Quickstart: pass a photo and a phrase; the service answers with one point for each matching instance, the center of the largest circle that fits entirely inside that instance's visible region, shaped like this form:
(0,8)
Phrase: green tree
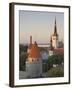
(22,61)
(54,59)
(56,72)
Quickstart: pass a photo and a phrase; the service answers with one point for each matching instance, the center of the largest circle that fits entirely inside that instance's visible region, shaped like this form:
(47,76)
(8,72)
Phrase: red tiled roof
(59,51)
(34,52)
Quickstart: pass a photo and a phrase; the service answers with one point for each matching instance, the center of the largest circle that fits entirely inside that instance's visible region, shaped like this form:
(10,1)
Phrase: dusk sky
(40,25)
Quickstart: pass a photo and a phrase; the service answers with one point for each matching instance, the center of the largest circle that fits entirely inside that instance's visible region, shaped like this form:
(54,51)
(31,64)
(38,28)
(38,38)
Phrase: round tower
(34,62)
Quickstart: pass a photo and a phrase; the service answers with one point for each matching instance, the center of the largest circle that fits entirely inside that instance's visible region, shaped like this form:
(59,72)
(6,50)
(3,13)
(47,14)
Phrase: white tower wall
(55,41)
(34,68)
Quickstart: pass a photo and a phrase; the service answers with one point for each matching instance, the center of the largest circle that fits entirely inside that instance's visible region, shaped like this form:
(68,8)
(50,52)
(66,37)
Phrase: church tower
(55,37)
(34,61)
(31,40)
(30,45)
(51,48)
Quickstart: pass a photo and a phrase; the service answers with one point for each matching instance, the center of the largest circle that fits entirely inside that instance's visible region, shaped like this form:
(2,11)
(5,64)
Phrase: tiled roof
(34,51)
(59,51)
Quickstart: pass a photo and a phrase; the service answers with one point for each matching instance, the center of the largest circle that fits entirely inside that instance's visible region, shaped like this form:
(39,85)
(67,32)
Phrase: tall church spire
(55,37)
(55,29)
(30,39)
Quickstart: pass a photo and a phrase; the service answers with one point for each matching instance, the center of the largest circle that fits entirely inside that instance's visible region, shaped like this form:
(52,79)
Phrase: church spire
(30,39)
(55,29)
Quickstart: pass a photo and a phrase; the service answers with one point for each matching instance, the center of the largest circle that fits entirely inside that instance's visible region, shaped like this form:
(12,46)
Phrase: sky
(40,25)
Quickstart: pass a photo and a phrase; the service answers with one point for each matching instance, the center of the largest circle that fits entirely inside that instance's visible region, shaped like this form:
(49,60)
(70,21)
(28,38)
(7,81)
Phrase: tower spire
(55,28)
(30,39)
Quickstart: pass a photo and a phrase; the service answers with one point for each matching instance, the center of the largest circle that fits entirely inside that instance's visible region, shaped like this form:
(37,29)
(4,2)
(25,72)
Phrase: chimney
(30,39)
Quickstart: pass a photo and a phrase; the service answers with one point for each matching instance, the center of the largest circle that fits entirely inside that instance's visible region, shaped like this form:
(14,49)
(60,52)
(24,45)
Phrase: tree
(22,56)
(56,72)
(22,61)
(55,59)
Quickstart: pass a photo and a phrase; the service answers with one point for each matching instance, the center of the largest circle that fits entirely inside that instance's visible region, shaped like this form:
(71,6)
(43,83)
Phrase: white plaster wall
(34,69)
(44,55)
(54,41)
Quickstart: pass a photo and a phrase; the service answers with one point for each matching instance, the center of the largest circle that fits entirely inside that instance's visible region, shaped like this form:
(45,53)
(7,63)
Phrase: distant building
(56,47)
(59,51)
(44,55)
(55,51)
(34,61)
(61,44)
(55,65)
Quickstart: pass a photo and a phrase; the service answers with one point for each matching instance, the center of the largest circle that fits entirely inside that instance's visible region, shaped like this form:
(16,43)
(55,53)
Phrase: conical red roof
(34,52)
